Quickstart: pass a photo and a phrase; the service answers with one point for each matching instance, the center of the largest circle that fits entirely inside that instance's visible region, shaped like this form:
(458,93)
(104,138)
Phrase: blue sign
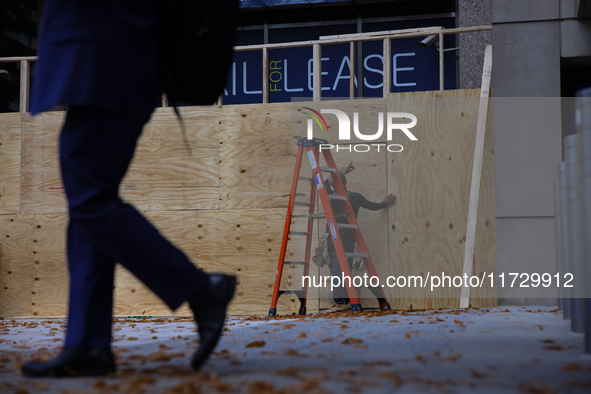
(291,70)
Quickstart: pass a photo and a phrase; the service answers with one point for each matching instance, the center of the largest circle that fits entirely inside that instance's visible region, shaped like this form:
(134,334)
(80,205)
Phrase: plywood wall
(224,203)
(432,180)
(210,202)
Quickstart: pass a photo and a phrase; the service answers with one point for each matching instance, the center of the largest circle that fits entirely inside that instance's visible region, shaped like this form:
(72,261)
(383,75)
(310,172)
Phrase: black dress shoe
(209,309)
(73,362)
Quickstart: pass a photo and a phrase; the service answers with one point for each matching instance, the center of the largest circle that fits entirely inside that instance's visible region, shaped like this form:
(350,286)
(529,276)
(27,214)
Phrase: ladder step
(302,204)
(356,255)
(310,215)
(294,262)
(298,293)
(304,178)
(346,225)
(299,233)
(328,169)
(336,197)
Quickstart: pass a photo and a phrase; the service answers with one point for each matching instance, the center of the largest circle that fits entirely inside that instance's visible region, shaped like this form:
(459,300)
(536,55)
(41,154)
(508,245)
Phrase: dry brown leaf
(291,371)
(291,352)
(303,335)
(256,344)
(158,357)
(184,388)
(390,375)
(572,367)
(536,389)
(260,387)
(554,347)
(349,341)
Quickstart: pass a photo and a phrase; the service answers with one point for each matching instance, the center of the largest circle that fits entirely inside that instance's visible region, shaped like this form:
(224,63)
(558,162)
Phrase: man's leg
(91,292)
(96,147)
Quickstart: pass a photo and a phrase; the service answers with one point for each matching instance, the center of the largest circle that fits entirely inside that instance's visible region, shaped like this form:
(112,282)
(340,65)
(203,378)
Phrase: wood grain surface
(10,163)
(224,202)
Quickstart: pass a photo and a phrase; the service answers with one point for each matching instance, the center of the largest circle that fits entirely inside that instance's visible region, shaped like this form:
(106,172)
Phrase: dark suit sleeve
(357,199)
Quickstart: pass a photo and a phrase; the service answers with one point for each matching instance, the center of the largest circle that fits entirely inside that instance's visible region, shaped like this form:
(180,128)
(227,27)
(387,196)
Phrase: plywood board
(255,166)
(163,174)
(10,163)
(241,242)
(34,277)
(431,178)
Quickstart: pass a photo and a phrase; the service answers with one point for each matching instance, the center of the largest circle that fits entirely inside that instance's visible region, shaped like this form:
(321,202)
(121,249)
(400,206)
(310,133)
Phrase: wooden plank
(387,67)
(476,172)
(352,70)
(161,163)
(24,87)
(317,66)
(10,163)
(485,238)
(265,75)
(379,33)
(441,63)
(431,178)
(360,38)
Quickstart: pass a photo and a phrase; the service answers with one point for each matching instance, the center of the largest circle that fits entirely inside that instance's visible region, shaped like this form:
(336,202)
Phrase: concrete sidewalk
(496,350)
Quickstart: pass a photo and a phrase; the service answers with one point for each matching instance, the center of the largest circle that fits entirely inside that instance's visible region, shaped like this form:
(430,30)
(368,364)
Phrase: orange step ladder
(311,148)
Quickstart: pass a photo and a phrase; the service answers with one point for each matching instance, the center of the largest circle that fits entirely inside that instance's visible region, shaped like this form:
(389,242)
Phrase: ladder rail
(279,272)
(310,229)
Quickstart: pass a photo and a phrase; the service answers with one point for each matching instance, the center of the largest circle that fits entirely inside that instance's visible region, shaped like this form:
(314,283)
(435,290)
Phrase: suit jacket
(97,52)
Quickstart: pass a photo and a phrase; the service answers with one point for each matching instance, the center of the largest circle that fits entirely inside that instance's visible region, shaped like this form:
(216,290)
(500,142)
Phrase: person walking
(100,58)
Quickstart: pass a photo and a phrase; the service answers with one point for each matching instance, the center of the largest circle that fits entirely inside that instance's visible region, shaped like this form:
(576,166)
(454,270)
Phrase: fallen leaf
(256,344)
(390,375)
(349,341)
(260,387)
(291,371)
(554,347)
(572,367)
(184,388)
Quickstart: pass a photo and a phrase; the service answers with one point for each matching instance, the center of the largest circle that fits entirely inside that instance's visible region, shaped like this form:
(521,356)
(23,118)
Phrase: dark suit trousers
(96,147)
